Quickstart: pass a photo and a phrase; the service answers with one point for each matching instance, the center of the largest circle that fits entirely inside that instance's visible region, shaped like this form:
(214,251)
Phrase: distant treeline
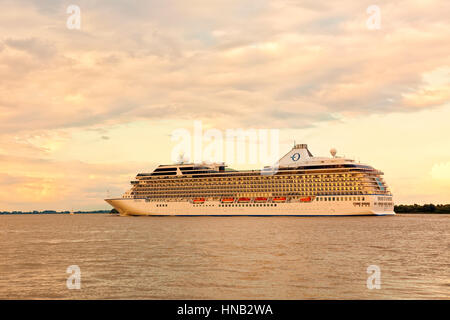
(402,208)
(52,212)
(426,208)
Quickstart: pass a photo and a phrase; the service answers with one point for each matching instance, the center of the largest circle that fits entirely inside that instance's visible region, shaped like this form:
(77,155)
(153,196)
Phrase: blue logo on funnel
(295,156)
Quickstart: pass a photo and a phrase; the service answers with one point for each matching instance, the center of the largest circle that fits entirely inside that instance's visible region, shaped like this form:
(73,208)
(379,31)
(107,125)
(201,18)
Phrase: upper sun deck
(185,169)
(299,158)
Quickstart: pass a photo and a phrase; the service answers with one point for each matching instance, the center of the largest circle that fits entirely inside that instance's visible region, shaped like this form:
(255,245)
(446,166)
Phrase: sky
(83,110)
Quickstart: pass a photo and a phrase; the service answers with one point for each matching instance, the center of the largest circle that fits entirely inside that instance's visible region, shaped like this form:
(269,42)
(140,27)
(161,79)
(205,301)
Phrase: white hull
(141,207)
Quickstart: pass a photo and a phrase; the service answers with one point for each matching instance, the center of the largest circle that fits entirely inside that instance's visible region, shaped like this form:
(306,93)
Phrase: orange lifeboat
(279,199)
(260,199)
(244,200)
(307,199)
(227,199)
(199,200)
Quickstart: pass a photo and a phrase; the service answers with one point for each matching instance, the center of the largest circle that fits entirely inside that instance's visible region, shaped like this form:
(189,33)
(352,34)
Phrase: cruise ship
(301,185)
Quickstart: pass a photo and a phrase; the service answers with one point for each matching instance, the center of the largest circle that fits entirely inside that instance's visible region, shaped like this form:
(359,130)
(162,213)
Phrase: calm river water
(224,257)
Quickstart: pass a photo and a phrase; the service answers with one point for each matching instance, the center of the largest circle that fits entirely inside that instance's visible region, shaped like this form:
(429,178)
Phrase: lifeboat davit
(227,199)
(260,199)
(279,199)
(199,200)
(307,199)
(244,200)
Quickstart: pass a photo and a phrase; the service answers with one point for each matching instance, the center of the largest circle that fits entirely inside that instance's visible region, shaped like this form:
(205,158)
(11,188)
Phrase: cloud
(32,46)
(132,60)
(266,64)
(38,184)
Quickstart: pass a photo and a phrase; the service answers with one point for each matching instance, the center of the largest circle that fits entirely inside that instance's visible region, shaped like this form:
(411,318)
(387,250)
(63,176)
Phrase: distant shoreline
(54,212)
(422,212)
(424,209)
(400,209)
(109,213)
